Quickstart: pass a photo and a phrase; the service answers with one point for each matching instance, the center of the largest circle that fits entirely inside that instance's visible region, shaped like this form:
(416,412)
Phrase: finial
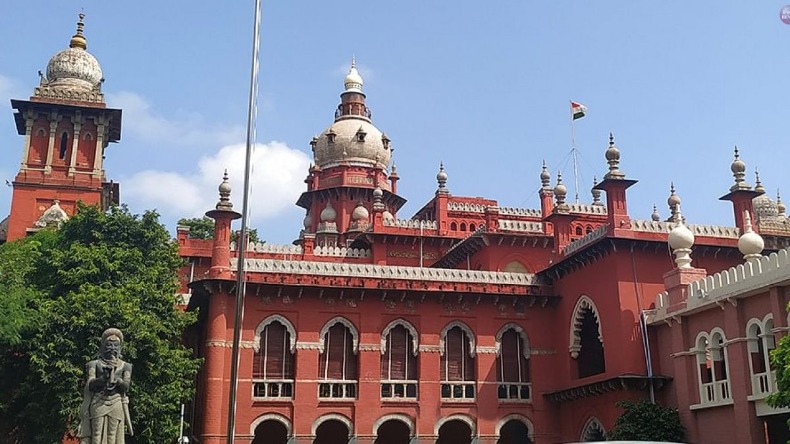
(738,168)
(596,193)
(750,244)
(441,177)
(353,81)
(224,194)
(613,159)
(655,217)
(378,200)
(353,61)
(545,177)
(779,205)
(673,202)
(560,192)
(681,239)
(758,186)
(78,40)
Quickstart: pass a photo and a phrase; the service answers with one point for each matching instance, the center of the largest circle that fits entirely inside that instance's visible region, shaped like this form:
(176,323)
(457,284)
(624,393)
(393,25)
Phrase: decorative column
(561,218)
(741,193)
(77,120)
(30,117)
(223,215)
(615,185)
(99,157)
(53,127)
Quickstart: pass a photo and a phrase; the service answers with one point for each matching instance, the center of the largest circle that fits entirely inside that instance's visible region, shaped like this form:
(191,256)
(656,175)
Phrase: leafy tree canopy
(780,362)
(645,421)
(203,228)
(98,270)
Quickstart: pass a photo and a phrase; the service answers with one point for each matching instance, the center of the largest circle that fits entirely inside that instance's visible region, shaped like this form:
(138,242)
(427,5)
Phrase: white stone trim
(271,417)
(256,343)
(415,337)
(442,275)
(465,328)
(515,417)
(329,417)
(348,324)
(591,426)
(520,331)
(395,417)
(466,419)
(582,304)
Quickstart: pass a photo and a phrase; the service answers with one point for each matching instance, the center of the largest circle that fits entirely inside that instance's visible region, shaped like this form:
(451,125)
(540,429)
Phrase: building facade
(464,322)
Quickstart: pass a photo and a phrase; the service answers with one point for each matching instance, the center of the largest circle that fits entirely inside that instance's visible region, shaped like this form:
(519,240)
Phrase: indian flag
(578,110)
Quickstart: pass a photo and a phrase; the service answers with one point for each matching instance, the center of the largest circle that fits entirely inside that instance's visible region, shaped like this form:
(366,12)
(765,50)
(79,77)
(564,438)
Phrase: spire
(758,186)
(596,193)
(655,216)
(353,81)
(738,168)
(779,205)
(224,194)
(441,178)
(560,192)
(78,40)
(613,159)
(681,239)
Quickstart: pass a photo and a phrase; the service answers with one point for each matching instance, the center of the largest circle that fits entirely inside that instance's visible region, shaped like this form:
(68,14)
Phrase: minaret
(741,193)
(615,184)
(66,127)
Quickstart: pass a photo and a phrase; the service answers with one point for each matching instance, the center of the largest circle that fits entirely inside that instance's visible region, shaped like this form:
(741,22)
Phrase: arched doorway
(331,431)
(271,431)
(455,432)
(393,432)
(514,432)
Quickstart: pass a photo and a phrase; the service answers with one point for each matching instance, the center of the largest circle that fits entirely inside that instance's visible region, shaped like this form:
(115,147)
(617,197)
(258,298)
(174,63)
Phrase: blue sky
(482,86)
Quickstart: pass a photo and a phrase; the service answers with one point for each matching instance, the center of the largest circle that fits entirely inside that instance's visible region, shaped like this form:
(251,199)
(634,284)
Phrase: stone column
(29,119)
(53,126)
(98,158)
(75,142)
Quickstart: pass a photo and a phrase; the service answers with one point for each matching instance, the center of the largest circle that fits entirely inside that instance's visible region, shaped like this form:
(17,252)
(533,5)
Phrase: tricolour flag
(578,110)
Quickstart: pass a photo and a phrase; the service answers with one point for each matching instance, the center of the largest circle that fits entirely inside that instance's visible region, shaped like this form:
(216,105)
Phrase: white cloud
(277,180)
(143,122)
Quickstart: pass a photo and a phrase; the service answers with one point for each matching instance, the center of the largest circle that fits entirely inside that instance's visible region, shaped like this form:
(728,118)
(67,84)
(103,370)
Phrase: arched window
(712,368)
(513,364)
(64,145)
(463,226)
(458,362)
(579,231)
(87,136)
(586,339)
(760,343)
(453,226)
(593,431)
(399,376)
(588,230)
(273,360)
(337,363)
(472,227)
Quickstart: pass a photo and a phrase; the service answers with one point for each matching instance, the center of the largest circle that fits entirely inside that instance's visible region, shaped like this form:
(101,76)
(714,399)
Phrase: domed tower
(66,127)
(351,159)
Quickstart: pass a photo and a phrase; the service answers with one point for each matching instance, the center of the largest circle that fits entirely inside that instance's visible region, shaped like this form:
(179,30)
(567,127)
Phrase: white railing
(511,211)
(466,207)
(521,391)
(273,388)
(337,389)
(521,225)
(588,209)
(341,252)
(585,240)
(263,247)
(458,390)
(761,384)
(411,223)
(651,226)
(715,392)
(398,389)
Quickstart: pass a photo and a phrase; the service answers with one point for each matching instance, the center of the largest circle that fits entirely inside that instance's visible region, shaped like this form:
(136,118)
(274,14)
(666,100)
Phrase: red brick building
(465,322)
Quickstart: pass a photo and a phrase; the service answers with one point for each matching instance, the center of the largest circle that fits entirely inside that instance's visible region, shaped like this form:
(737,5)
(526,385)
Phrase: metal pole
(573,155)
(181,427)
(242,241)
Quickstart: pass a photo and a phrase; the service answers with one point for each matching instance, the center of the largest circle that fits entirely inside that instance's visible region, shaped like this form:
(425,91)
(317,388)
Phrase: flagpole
(573,155)
(241,285)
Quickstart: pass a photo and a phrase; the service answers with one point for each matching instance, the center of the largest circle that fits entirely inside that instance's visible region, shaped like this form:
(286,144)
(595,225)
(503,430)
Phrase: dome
(680,237)
(750,243)
(308,221)
(387,216)
(360,213)
(353,81)
(353,141)
(765,208)
(328,214)
(75,68)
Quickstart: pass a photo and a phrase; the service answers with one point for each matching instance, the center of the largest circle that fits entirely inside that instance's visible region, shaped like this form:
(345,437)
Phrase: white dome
(347,146)
(328,214)
(387,216)
(680,237)
(353,81)
(74,68)
(360,213)
(750,243)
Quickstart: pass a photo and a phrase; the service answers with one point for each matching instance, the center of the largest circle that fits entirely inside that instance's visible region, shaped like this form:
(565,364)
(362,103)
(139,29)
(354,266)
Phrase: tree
(203,228)
(780,363)
(646,421)
(98,270)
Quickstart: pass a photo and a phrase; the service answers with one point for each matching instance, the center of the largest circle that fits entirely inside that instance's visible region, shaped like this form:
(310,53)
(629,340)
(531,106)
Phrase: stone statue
(105,407)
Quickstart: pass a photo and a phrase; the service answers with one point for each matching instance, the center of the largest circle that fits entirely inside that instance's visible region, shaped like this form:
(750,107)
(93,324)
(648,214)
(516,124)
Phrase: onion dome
(779,205)
(738,168)
(560,190)
(74,68)
(750,244)
(360,213)
(308,222)
(765,209)
(353,141)
(673,199)
(387,217)
(613,159)
(545,177)
(378,200)
(681,239)
(655,217)
(353,81)
(54,216)
(328,214)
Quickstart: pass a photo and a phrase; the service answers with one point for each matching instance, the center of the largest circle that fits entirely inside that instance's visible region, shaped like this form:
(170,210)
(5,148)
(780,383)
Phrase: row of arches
(335,428)
(463,227)
(274,360)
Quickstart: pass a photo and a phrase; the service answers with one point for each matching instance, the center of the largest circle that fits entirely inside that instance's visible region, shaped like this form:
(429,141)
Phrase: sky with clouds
(483,88)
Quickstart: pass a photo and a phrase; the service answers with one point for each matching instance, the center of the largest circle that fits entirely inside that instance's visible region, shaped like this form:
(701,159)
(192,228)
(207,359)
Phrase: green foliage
(645,421)
(780,362)
(203,228)
(99,270)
